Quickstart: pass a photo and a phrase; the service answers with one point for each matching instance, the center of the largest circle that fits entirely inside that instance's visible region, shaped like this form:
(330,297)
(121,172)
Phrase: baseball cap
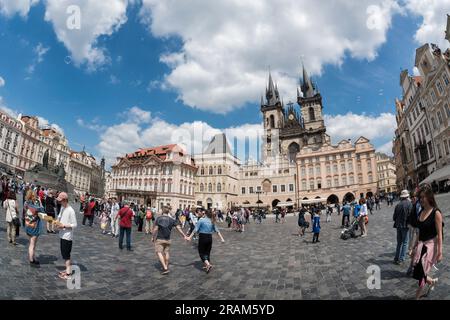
(62,196)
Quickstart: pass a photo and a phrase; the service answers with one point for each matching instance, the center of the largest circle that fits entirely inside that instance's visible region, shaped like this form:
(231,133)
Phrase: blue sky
(42,79)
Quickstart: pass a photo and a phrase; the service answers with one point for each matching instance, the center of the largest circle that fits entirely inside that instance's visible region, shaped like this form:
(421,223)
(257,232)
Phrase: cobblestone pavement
(267,261)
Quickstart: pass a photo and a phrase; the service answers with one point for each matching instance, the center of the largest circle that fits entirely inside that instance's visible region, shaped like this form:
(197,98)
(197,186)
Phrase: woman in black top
(50,210)
(428,247)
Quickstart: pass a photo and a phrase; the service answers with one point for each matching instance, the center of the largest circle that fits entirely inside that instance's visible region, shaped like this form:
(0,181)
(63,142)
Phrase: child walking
(104,222)
(316,227)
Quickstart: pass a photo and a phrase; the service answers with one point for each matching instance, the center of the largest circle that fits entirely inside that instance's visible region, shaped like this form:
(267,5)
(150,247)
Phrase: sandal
(65,276)
(208,268)
(165,272)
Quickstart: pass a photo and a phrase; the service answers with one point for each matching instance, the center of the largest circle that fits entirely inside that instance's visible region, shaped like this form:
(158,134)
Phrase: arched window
(312,116)
(210,187)
(219,187)
(202,171)
(219,170)
(202,188)
(210,170)
(272,121)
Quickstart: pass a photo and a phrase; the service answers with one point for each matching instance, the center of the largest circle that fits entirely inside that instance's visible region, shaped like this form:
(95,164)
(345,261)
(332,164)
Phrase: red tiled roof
(418,80)
(160,152)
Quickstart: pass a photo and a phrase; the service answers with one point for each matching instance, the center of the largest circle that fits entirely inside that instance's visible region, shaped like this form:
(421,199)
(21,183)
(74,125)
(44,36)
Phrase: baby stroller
(349,232)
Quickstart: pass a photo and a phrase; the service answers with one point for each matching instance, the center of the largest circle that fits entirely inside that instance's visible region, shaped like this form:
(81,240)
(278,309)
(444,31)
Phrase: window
(445,79)
(439,87)
(283,188)
(359,166)
(446,147)
(219,170)
(439,151)
(336,182)
(370,178)
(210,187)
(243,190)
(312,116)
(350,165)
(311,171)
(335,168)
(328,169)
(447,110)
(433,96)
(344,181)
(291,187)
(426,128)
(304,185)
(274,189)
(210,170)
(439,114)
(219,187)
(433,122)
(342,166)
(318,170)
(319,184)
(360,180)
(303,171)
(311,185)
(251,190)
(328,183)
(352,180)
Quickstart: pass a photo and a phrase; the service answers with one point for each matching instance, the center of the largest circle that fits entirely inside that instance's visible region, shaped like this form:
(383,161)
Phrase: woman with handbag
(32,224)
(12,216)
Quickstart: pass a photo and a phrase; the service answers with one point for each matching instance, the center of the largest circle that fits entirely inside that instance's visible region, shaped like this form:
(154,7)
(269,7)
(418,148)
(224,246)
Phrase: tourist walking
(363,218)
(161,237)
(302,224)
(316,227)
(328,211)
(413,227)
(346,209)
(12,217)
(377,202)
(149,220)
(429,243)
(50,210)
(66,223)
(114,222)
(205,228)
(32,225)
(126,215)
(277,215)
(89,212)
(401,216)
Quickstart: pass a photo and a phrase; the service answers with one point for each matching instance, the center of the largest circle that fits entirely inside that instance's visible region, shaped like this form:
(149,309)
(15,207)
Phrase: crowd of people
(417,219)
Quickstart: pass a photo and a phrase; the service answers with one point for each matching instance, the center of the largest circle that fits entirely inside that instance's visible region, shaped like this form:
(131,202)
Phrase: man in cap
(66,222)
(401,217)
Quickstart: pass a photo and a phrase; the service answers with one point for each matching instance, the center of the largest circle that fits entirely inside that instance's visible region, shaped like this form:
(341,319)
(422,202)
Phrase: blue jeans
(121,234)
(402,244)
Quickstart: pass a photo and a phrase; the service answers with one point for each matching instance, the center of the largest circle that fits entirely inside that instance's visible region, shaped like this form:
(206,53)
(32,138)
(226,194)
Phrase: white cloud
(7,110)
(228,45)
(98,18)
(44,123)
(386,148)
(2,82)
(140,130)
(352,126)
(12,7)
(40,51)
(434,14)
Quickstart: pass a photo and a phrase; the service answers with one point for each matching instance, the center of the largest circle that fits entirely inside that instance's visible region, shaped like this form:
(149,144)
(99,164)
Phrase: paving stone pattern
(267,261)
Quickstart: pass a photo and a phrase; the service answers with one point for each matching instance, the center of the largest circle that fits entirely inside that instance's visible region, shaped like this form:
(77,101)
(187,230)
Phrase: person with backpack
(148,221)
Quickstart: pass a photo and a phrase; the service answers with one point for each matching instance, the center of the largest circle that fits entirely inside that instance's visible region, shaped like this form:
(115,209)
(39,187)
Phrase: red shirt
(88,210)
(125,214)
(41,195)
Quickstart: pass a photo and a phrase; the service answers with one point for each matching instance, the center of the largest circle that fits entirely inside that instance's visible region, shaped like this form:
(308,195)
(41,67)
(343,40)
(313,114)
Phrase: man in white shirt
(114,222)
(67,222)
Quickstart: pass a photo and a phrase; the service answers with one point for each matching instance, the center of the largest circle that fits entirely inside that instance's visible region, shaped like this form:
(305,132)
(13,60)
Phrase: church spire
(307,86)
(272,94)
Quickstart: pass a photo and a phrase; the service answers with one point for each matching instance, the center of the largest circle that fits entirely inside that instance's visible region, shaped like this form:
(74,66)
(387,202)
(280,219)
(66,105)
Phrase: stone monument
(53,177)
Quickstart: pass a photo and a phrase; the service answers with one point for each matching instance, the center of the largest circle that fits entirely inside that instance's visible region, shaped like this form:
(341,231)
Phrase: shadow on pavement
(47,259)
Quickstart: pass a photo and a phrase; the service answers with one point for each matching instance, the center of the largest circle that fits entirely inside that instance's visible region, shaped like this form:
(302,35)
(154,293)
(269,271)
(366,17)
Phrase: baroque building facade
(158,176)
(386,173)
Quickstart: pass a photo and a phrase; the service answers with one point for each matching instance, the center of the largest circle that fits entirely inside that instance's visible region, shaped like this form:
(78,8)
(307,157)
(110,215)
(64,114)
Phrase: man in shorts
(67,222)
(161,237)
